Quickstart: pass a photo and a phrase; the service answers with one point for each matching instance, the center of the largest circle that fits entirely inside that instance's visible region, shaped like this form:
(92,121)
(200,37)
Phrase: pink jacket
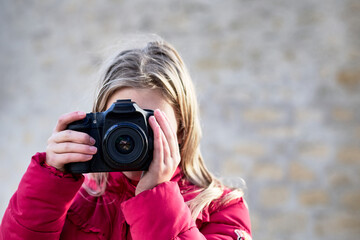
(49,205)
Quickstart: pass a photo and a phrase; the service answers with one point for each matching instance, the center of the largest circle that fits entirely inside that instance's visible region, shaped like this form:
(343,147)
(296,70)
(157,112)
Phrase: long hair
(159,66)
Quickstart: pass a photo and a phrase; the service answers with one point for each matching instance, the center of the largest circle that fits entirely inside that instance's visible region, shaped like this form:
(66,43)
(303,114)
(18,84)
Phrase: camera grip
(78,167)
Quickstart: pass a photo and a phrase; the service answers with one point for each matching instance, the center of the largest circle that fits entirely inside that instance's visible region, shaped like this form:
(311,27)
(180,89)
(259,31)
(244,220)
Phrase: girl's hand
(166,156)
(66,146)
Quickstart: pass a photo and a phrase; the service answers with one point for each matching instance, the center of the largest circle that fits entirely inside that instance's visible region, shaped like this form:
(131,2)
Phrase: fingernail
(93,149)
(92,140)
(152,118)
(81,113)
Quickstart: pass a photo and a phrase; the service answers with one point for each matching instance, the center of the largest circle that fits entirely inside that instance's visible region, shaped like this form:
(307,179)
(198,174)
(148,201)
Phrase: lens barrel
(125,143)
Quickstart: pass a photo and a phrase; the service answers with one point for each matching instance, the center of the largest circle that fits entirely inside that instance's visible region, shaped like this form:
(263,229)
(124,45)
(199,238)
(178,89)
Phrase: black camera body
(124,139)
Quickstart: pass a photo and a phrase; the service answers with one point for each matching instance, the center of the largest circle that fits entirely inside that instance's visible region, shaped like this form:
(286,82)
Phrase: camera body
(124,139)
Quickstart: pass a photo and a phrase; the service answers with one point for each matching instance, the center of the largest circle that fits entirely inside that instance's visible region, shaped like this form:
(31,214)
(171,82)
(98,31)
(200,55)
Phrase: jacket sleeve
(161,213)
(231,221)
(38,208)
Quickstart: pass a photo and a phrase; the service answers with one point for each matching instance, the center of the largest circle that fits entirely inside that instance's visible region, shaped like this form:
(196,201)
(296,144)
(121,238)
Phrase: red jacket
(49,205)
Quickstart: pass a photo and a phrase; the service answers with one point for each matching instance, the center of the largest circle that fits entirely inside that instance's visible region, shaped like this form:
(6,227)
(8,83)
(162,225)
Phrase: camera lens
(124,144)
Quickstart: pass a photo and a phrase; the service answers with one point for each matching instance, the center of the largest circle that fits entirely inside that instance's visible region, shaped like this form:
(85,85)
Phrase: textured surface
(278,82)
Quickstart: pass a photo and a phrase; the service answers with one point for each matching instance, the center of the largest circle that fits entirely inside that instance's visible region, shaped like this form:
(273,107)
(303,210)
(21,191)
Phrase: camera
(124,139)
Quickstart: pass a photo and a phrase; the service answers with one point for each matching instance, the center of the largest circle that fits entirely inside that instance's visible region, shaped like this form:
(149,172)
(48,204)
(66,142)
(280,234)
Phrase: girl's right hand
(66,146)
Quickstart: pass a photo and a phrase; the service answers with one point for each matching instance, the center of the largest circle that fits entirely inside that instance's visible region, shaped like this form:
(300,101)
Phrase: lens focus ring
(124,143)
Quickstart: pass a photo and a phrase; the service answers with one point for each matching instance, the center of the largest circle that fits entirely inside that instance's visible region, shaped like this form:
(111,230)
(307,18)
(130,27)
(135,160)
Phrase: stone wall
(278,83)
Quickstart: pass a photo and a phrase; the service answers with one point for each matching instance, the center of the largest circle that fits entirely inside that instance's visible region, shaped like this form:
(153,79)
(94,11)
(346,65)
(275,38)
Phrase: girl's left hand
(166,156)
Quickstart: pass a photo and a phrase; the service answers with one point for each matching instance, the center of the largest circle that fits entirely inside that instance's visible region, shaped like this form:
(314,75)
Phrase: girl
(177,198)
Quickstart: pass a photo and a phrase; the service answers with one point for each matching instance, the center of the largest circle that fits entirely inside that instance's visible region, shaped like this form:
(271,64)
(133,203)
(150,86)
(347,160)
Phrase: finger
(175,153)
(165,146)
(67,118)
(158,146)
(72,136)
(171,128)
(66,158)
(166,150)
(167,130)
(68,147)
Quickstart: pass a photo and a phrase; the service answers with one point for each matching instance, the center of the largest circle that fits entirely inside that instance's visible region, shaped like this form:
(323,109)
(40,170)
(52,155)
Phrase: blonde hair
(159,66)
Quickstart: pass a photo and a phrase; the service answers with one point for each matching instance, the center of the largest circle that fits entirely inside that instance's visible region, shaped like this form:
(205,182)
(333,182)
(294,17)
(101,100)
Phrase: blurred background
(278,83)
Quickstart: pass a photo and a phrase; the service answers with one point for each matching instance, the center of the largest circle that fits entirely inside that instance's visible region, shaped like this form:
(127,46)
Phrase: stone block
(313,197)
(351,201)
(232,167)
(300,173)
(267,171)
(263,115)
(271,197)
(339,179)
(349,155)
(342,115)
(308,115)
(349,78)
(337,225)
(253,150)
(287,224)
(283,132)
(316,150)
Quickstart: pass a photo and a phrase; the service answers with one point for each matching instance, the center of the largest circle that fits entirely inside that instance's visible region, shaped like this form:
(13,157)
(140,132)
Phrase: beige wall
(278,82)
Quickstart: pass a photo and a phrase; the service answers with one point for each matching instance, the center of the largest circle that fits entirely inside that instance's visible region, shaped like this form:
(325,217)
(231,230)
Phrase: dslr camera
(124,139)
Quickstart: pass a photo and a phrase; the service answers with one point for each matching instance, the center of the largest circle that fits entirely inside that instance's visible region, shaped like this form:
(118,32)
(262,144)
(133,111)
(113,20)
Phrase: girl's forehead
(145,98)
